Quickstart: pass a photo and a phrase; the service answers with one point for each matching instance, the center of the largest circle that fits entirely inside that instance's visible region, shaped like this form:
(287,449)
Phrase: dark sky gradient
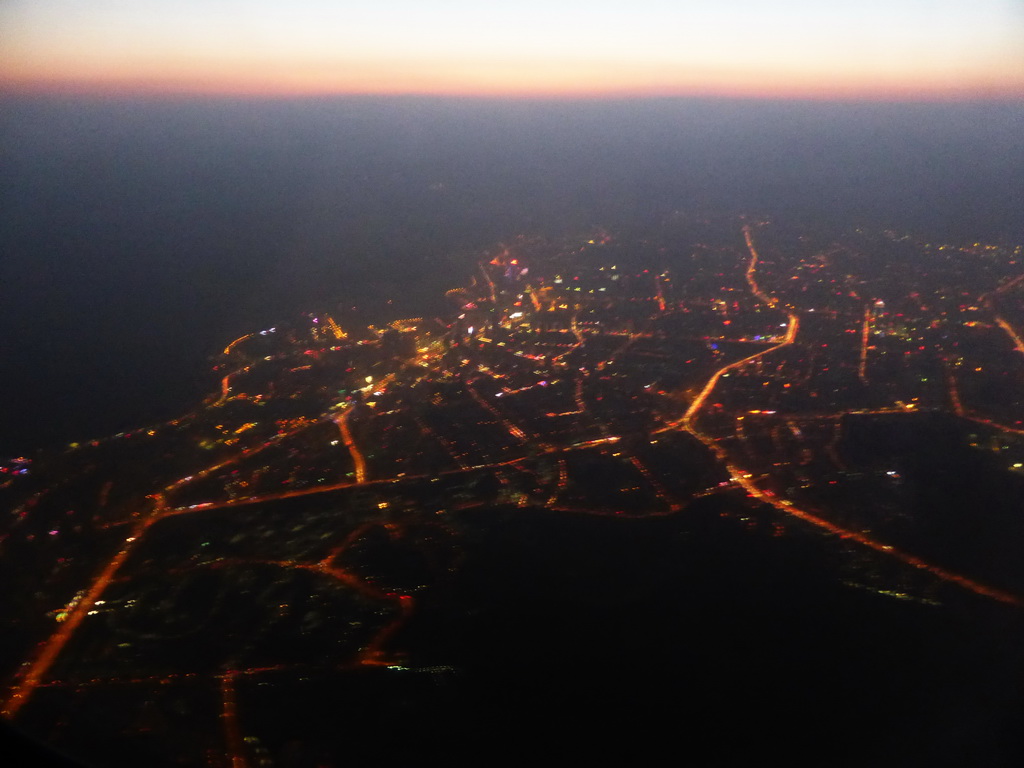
(137,237)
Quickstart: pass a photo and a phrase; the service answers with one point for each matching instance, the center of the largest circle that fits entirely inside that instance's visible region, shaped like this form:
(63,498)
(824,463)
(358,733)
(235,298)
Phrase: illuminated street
(299,523)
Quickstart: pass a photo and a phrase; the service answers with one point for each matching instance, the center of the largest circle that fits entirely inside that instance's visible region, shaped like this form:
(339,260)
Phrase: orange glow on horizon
(883,50)
(542,80)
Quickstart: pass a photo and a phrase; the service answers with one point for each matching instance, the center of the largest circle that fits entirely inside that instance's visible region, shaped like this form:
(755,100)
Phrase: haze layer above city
(138,234)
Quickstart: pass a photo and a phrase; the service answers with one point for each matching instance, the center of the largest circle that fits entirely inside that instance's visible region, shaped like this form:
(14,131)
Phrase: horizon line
(71,89)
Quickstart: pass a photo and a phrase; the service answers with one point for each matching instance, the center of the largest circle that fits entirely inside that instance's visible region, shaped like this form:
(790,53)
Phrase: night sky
(872,48)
